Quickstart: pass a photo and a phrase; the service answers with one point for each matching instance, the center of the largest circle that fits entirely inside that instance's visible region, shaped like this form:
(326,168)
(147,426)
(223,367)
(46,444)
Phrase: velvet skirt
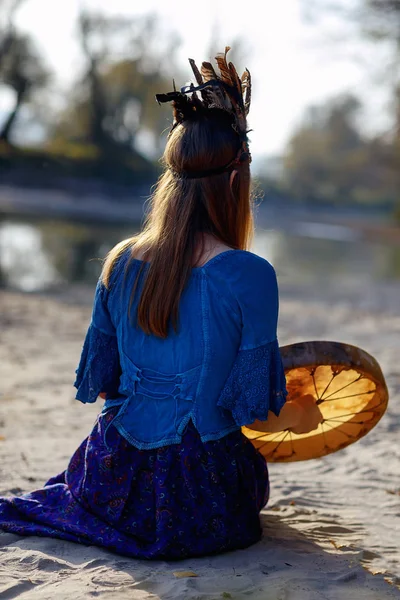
(178,501)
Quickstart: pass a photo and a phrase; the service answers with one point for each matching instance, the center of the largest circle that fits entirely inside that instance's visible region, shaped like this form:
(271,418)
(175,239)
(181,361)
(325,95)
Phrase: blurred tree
(23,70)
(8,9)
(21,67)
(377,21)
(88,25)
(380,19)
(329,159)
(128,62)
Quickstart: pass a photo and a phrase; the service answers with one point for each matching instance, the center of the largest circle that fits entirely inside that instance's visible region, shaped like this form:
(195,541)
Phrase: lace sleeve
(255,385)
(99,368)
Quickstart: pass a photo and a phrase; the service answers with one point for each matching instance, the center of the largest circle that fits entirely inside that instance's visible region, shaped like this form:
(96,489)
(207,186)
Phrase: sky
(293,63)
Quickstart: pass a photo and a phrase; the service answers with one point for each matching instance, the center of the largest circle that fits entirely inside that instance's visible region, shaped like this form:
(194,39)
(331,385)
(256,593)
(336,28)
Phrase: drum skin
(349,388)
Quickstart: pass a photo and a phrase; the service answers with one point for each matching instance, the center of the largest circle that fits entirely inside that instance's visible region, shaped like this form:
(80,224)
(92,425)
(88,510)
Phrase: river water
(39,255)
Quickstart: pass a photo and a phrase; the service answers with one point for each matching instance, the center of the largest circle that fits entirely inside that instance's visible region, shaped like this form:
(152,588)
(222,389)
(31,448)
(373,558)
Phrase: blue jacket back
(221,369)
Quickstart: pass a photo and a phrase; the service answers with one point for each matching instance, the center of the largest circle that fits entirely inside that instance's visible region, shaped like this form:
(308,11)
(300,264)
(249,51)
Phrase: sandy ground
(332,527)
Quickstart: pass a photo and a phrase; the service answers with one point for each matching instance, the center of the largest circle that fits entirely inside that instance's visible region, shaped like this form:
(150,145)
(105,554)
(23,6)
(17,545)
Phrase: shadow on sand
(285,565)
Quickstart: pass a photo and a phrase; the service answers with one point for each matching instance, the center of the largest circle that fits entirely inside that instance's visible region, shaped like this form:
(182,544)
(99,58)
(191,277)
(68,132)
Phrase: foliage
(378,22)
(328,158)
(380,19)
(21,66)
(115,98)
(63,165)
(126,62)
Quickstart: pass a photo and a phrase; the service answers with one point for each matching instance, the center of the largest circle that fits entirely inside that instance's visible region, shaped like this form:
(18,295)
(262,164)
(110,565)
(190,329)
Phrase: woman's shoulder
(248,264)
(255,261)
(114,268)
(244,275)
(249,282)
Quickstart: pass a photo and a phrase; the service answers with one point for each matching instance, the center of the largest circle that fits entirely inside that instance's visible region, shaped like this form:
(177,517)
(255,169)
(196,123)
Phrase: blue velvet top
(222,369)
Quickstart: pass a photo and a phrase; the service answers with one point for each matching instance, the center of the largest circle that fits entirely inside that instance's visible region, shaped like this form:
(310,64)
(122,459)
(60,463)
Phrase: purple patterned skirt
(188,499)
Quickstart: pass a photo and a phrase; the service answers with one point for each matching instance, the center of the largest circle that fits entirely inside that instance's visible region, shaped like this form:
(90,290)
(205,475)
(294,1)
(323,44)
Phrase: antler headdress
(226,91)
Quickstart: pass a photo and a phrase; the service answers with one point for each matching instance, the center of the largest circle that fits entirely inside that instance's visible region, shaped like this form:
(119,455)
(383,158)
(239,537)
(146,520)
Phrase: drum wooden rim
(305,358)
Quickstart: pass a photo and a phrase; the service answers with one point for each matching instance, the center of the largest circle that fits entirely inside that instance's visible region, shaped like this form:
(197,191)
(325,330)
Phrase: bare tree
(23,70)
(95,33)
(7,29)
(127,61)
(377,22)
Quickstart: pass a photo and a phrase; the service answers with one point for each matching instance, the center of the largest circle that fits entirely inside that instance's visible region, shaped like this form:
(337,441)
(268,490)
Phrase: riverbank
(127,207)
(330,523)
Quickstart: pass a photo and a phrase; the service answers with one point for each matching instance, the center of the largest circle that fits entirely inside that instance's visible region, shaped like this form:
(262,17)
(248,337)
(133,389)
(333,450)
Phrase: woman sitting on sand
(182,346)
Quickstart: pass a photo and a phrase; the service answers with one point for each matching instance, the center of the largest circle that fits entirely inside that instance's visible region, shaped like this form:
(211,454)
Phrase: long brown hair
(182,209)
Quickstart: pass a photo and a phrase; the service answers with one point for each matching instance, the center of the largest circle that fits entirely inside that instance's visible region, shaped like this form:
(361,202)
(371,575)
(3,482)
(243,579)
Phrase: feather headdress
(225,91)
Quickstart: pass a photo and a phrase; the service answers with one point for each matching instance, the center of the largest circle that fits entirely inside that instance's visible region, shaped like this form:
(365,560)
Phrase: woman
(182,346)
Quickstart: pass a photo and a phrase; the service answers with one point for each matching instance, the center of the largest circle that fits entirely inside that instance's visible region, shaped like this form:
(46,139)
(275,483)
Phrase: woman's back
(227,311)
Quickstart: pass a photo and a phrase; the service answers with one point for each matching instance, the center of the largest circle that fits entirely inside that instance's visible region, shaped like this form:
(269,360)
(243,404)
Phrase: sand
(331,529)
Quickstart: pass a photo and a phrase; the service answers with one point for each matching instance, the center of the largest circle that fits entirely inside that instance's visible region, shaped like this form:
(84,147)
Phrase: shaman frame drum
(350,391)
